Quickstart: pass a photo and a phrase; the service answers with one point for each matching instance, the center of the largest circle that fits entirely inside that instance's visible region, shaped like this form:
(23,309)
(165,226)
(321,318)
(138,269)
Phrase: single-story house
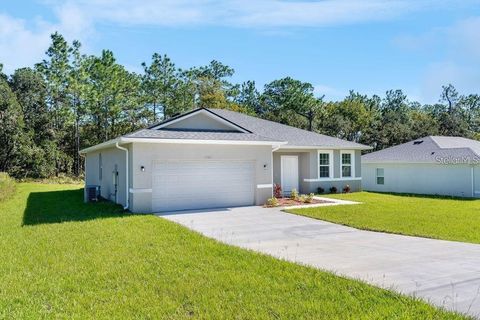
(210,158)
(434,165)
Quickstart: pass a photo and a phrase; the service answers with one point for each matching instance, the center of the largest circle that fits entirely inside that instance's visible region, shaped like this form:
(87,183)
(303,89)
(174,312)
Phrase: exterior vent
(93,193)
(417,142)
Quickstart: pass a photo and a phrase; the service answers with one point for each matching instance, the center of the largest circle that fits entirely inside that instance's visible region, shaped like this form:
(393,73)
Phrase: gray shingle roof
(293,136)
(197,135)
(431,149)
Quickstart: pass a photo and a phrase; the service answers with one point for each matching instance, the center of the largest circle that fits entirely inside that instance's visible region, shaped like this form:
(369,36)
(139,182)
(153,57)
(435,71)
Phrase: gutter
(126,176)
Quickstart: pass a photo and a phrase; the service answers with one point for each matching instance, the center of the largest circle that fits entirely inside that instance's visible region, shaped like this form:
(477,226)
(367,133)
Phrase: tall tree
(30,91)
(12,138)
(287,94)
(159,83)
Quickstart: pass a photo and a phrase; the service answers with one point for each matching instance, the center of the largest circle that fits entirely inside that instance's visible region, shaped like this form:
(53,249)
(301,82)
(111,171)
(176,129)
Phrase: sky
(369,46)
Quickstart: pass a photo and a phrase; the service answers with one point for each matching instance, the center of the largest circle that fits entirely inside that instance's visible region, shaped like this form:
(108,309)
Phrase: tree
(55,71)
(159,83)
(212,89)
(290,95)
(13,141)
(396,124)
(113,96)
(347,119)
(249,97)
(30,91)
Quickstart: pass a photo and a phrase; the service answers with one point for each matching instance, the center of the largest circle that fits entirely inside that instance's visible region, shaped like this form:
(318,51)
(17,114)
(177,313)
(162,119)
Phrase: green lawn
(432,217)
(102,263)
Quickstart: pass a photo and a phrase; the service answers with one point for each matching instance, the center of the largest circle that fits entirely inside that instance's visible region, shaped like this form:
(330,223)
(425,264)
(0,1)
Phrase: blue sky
(337,45)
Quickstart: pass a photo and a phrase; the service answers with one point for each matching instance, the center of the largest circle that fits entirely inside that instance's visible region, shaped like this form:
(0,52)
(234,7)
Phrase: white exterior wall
(433,179)
(143,154)
(110,158)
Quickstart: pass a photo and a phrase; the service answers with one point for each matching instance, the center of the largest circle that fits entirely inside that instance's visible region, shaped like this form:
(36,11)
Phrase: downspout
(126,176)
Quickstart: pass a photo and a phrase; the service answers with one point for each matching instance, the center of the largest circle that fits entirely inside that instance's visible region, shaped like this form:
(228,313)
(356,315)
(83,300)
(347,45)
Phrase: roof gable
(199,120)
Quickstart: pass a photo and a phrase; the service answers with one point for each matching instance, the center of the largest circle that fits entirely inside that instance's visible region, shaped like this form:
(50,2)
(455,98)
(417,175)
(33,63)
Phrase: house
(434,165)
(217,158)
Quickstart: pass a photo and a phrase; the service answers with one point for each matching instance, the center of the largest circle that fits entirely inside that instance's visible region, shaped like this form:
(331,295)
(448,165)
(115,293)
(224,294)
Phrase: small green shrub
(7,186)
(272,202)
(302,198)
(309,198)
(320,190)
(347,189)
(294,194)
(333,190)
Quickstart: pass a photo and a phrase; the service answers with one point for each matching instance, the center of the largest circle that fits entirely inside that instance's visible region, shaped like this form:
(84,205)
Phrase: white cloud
(24,44)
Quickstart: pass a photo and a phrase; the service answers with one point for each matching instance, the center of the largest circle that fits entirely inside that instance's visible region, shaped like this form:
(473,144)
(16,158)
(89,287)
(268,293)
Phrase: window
(347,159)
(100,167)
(324,164)
(380,176)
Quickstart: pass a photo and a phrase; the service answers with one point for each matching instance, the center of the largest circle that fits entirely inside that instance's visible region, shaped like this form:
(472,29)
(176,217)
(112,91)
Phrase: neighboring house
(431,165)
(217,158)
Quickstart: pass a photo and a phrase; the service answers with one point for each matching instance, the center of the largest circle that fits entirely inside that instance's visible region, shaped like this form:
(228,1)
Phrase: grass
(425,216)
(61,258)
(7,186)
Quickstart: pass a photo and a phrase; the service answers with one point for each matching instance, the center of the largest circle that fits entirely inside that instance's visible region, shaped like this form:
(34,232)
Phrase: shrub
(309,198)
(294,194)
(346,189)
(272,202)
(277,191)
(320,190)
(333,189)
(7,186)
(302,198)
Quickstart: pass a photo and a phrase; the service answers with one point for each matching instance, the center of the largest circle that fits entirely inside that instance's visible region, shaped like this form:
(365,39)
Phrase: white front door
(289,172)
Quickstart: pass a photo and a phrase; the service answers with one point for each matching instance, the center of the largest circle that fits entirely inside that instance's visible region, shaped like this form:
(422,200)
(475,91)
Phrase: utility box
(93,193)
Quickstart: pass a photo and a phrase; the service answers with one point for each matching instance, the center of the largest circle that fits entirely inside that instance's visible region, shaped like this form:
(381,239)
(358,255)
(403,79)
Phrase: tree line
(71,100)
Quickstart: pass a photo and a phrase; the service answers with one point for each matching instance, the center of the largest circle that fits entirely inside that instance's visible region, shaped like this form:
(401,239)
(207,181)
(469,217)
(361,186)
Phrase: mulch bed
(287,202)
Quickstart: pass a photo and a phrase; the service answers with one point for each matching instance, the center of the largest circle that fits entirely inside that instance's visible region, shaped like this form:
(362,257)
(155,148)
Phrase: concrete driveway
(445,273)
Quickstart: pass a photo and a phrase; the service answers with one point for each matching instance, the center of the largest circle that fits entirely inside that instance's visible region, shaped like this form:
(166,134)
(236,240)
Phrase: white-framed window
(347,164)
(325,164)
(100,167)
(380,175)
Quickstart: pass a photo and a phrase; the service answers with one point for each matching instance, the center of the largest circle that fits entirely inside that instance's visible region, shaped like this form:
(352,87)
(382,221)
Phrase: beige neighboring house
(435,165)
(211,158)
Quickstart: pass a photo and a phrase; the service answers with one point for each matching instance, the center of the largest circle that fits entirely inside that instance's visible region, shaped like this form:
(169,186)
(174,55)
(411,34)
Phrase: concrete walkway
(445,273)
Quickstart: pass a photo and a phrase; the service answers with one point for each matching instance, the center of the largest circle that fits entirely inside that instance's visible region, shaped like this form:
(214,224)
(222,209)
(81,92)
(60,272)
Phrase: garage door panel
(180,185)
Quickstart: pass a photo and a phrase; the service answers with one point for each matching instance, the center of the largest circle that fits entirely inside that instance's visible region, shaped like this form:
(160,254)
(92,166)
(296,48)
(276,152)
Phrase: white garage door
(183,185)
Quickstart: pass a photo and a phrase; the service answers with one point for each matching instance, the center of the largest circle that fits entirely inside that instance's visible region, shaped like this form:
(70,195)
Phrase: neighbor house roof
(431,149)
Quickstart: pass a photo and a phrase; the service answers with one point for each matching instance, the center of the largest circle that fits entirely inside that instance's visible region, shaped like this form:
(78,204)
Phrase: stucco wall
(308,169)
(145,153)
(110,158)
(450,180)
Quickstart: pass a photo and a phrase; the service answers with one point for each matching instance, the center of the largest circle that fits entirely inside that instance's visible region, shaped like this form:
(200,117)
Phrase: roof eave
(289,146)
(126,140)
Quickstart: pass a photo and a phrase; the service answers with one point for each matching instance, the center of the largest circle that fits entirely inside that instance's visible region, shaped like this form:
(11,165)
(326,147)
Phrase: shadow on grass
(66,205)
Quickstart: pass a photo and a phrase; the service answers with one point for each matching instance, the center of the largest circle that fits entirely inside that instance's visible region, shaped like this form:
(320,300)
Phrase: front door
(289,172)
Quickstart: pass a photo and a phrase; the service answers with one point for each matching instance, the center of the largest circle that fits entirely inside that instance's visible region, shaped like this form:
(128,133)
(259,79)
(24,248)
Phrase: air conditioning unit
(93,193)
